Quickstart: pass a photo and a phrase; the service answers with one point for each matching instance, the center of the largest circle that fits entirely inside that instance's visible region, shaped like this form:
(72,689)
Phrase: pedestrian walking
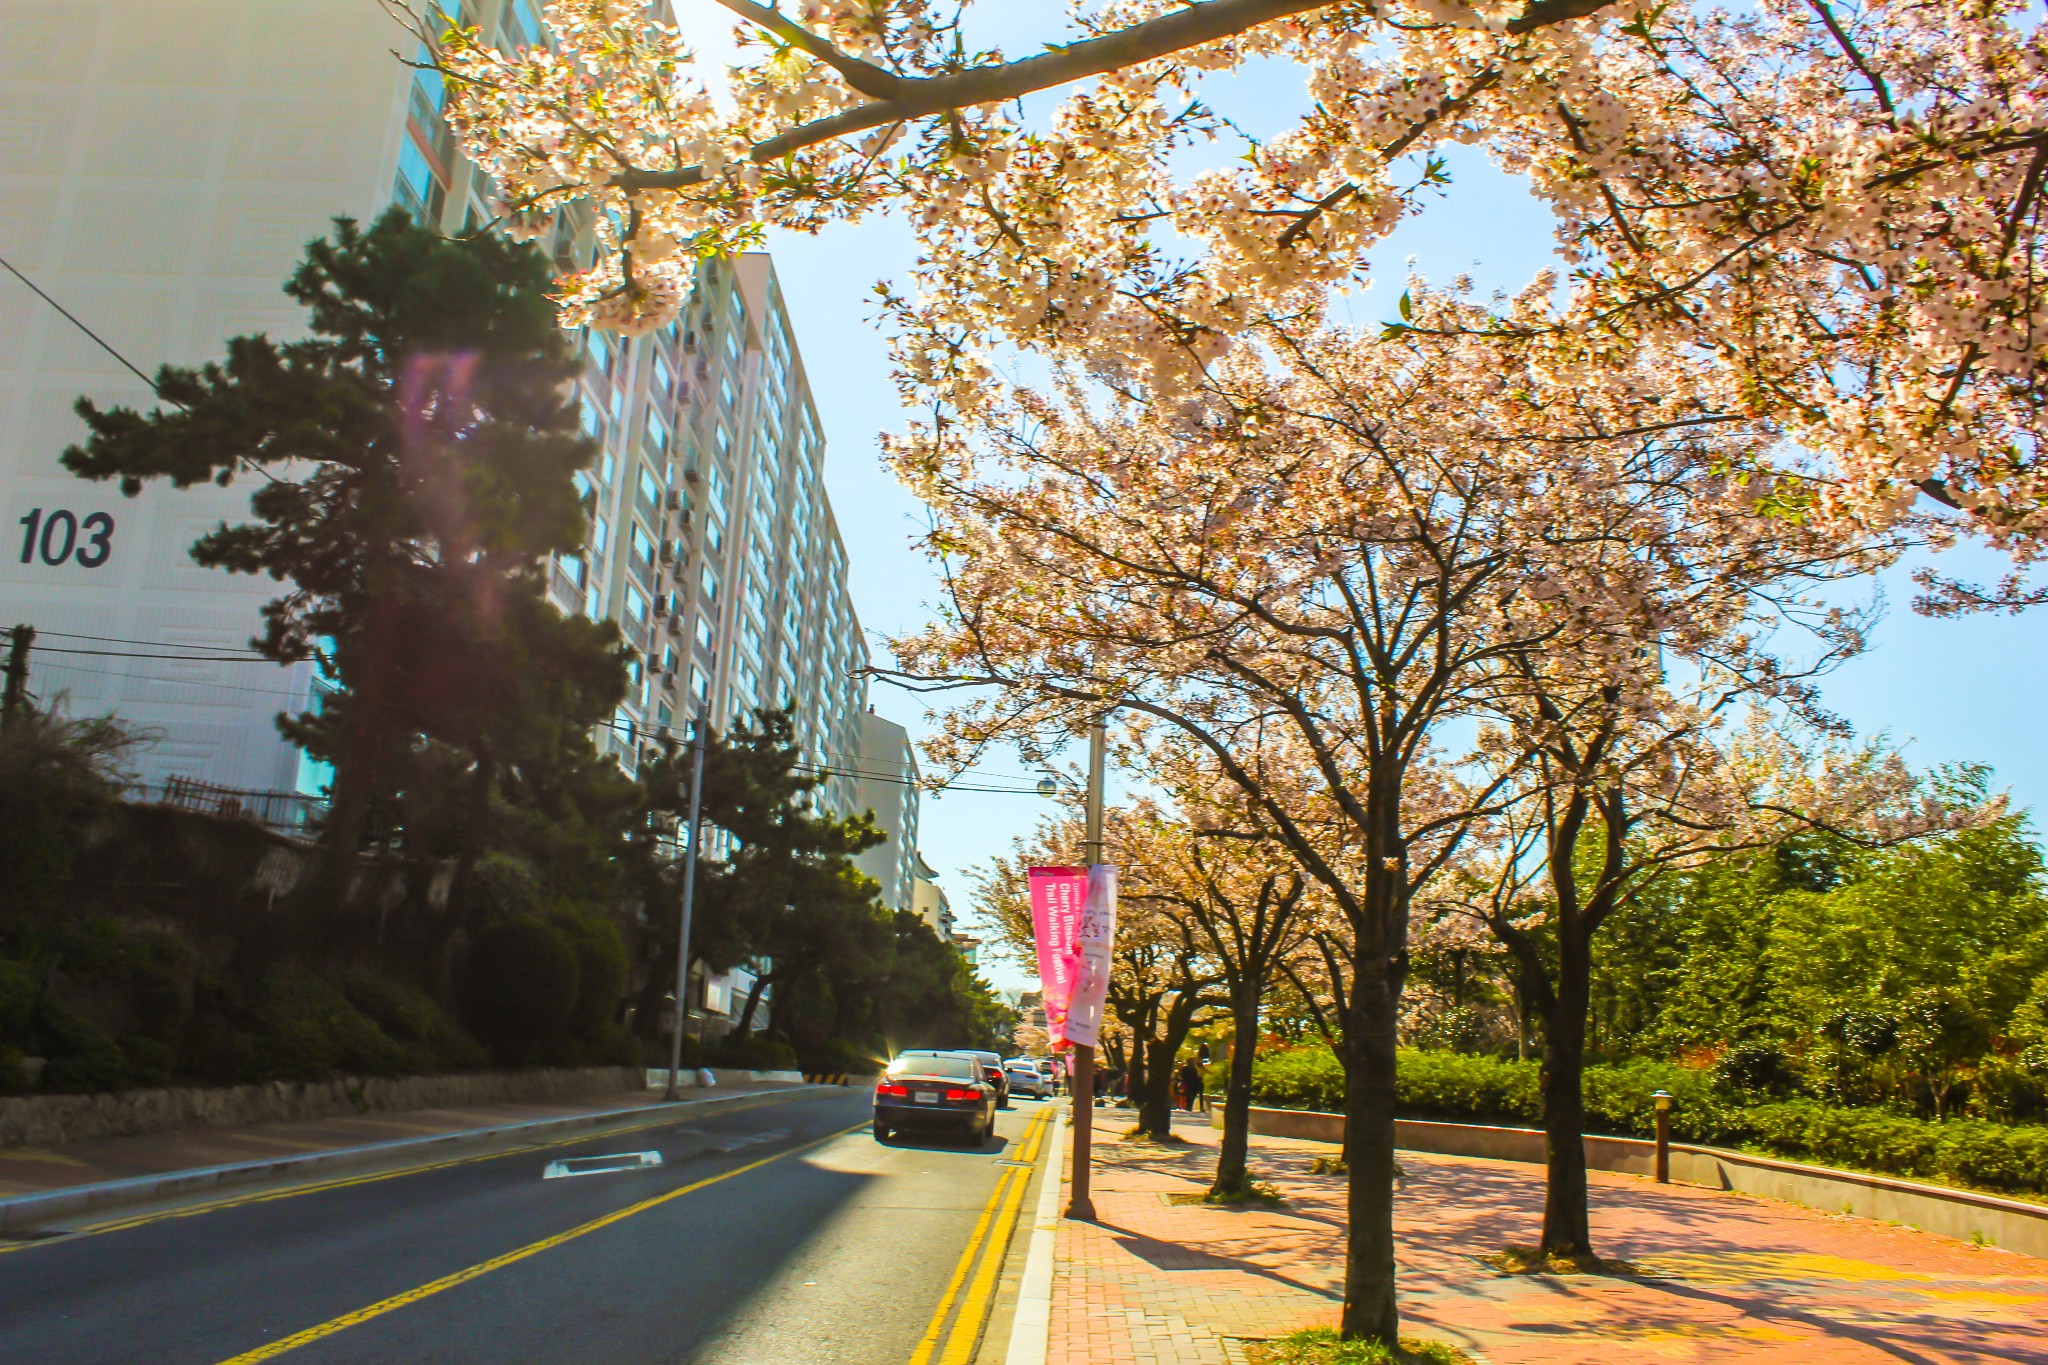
(1190,1085)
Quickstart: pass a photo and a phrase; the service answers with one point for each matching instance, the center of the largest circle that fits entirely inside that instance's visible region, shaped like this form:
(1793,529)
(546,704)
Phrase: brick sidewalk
(1729,1279)
(34,1170)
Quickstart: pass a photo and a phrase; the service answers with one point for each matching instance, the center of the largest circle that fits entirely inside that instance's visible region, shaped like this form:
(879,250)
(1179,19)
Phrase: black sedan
(935,1092)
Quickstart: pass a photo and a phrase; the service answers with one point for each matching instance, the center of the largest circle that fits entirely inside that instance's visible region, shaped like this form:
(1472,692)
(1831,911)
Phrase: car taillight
(887,1089)
(963,1094)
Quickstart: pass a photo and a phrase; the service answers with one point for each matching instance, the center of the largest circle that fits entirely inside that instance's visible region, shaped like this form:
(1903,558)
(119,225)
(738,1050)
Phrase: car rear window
(958,1068)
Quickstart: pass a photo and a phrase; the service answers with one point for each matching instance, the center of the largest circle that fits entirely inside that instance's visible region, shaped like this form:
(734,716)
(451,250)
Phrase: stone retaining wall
(1984,1218)
(50,1120)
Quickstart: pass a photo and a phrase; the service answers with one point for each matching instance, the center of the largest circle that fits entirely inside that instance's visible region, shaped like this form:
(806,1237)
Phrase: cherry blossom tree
(1631,781)
(1840,202)
(1336,547)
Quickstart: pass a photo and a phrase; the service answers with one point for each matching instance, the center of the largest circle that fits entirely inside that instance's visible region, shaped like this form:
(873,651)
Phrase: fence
(287,812)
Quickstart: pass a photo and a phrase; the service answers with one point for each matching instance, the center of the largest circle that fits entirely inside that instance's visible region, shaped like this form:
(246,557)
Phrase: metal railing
(289,812)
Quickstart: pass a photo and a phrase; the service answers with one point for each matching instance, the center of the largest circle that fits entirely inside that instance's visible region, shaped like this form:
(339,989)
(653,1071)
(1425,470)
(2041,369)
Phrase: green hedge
(1471,1089)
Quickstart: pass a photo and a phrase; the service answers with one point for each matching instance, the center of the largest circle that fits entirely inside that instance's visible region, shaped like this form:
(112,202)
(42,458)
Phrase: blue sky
(1950,691)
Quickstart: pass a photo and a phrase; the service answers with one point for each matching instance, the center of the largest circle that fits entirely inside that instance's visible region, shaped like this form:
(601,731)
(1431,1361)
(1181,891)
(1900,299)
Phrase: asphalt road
(773,1233)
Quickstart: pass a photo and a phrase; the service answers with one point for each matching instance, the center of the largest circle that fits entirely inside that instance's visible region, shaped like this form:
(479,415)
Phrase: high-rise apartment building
(711,540)
(886,783)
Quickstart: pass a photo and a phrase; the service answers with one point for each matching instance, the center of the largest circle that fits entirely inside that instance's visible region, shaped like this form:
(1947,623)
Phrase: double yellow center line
(991,1233)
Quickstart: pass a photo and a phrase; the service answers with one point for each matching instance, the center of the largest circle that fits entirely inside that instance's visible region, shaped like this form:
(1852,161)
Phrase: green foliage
(1463,1089)
(1323,1346)
(56,773)
(429,1039)
(521,984)
(17,1001)
(83,1056)
(752,1054)
(306,1029)
(600,967)
(836,1057)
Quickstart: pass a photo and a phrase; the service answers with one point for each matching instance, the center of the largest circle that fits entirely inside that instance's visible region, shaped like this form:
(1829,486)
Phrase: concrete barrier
(1989,1219)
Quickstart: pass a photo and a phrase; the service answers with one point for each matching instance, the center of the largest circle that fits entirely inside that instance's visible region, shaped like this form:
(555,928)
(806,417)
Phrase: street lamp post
(1663,1101)
(1080,1205)
(695,829)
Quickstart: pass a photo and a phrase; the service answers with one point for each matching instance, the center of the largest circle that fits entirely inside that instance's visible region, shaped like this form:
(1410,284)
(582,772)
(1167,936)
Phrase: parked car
(991,1067)
(935,1090)
(994,1062)
(1026,1079)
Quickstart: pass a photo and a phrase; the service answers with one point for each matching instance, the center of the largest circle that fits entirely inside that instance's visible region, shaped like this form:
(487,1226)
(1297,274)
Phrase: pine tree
(418,450)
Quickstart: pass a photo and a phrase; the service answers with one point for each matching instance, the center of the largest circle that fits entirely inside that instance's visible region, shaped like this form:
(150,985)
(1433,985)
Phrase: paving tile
(1728,1279)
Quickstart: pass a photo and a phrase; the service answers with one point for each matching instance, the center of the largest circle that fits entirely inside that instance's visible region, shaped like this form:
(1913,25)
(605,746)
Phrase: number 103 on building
(63,537)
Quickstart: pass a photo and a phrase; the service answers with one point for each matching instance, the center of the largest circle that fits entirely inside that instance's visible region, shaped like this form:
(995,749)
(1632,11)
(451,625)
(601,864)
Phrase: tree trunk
(358,761)
(1155,1103)
(469,848)
(754,993)
(1370,1312)
(1156,1115)
(1567,1229)
(1232,1177)
(661,979)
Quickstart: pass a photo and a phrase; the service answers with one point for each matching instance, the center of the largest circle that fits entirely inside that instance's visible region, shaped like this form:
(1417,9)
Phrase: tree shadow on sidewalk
(1177,1256)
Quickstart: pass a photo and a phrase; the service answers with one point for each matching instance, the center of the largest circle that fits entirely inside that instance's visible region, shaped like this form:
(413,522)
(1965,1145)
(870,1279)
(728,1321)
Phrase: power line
(97,339)
(631,731)
(153,644)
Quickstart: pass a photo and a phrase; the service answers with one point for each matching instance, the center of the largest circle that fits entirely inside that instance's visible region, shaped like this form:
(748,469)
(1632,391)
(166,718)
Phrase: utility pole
(1081,1205)
(695,828)
(16,696)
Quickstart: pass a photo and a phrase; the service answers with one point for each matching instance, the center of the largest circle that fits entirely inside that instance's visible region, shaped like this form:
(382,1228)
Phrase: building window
(418,190)
(636,608)
(571,567)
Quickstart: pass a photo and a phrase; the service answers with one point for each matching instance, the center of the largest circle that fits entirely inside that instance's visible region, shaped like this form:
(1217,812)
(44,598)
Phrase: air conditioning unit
(668,553)
(675,499)
(693,475)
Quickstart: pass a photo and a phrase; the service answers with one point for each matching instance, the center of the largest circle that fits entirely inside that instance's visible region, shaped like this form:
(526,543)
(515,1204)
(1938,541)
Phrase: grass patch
(1322,1346)
(1253,1192)
(1532,1261)
(1141,1134)
(1328,1165)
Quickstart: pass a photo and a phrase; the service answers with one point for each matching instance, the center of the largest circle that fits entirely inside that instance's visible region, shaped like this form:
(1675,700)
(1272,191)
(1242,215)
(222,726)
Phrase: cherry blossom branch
(866,77)
(915,98)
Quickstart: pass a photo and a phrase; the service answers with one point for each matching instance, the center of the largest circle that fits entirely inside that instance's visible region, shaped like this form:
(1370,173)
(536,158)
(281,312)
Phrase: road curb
(22,1211)
(1031,1328)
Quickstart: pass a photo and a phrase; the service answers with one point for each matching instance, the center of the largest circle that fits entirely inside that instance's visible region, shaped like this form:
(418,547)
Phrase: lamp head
(1663,1099)
(1048,786)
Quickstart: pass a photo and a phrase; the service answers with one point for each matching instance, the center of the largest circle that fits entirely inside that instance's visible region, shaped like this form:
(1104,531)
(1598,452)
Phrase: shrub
(600,968)
(84,1058)
(1619,1100)
(836,1057)
(307,1030)
(753,1054)
(520,987)
(1449,1085)
(429,1038)
(17,1000)
(1297,1078)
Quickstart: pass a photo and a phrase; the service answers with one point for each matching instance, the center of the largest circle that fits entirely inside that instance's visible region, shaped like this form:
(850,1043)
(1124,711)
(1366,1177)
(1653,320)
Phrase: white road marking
(600,1165)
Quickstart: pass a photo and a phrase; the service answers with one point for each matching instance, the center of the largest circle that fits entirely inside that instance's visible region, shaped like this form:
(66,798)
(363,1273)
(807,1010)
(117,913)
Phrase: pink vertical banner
(1094,941)
(1057,896)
